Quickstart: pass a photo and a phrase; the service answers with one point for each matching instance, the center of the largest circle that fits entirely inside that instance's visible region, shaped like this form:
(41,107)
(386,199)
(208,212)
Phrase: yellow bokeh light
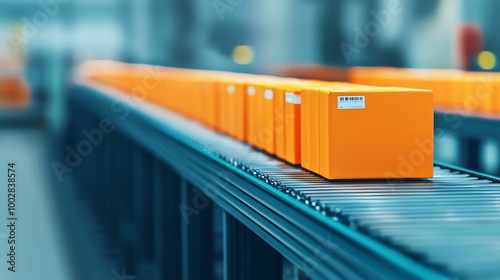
(486,60)
(243,54)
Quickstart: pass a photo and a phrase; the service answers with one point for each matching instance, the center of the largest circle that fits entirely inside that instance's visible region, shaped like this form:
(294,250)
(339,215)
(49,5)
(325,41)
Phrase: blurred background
(41,41)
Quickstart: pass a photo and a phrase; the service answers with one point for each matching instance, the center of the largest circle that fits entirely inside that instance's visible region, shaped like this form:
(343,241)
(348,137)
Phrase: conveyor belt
(449,224)
(451,220)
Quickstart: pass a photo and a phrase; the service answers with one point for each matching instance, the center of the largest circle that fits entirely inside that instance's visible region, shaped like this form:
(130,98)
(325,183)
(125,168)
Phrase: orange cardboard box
(377,133)
(268,120)
(226,90)
(266,132)
(305,126)
(250,114)
(209,104)
(309,134)
(465,101)
(292,124)
(279,121)
(314,148)
(253,113)
(231,103)
(236,96)
(322,127)
(287,119)
(449,85)
(221,92)
(266,114)
(323,112)
(495,97)
(482,93)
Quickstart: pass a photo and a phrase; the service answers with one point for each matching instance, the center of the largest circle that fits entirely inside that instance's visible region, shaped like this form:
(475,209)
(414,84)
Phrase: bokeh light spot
(243,54)
(486,60)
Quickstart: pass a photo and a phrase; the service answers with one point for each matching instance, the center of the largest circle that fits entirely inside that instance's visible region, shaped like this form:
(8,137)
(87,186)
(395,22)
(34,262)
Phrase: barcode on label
(292,98)
(268,94)
(351,102)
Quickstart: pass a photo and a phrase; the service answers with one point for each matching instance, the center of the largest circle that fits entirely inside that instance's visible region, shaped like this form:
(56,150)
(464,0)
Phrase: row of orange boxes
(461,91)
(335,129)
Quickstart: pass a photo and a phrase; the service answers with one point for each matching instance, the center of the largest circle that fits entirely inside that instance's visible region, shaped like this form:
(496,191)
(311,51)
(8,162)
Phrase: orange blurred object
(14,92)
(454,90)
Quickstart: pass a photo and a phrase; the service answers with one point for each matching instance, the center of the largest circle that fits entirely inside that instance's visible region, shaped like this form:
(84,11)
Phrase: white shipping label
(351,102)
(292,98)
(268,94)
(251,91)
(230,89)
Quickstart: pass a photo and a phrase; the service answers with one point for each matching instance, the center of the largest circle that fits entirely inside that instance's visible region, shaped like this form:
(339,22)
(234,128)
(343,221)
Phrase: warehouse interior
(110,185)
